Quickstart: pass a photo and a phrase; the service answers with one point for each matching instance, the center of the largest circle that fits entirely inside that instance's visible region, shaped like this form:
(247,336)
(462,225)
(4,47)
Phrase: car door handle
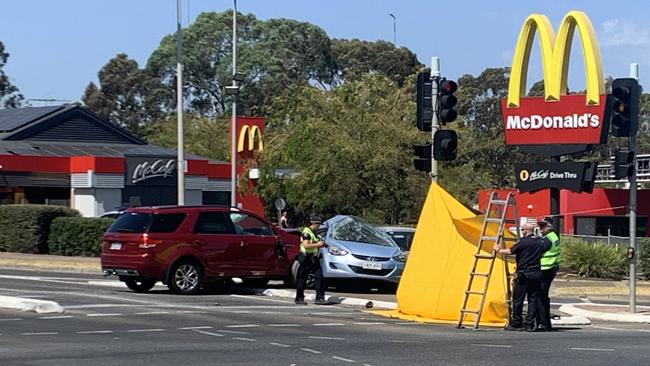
(242,243)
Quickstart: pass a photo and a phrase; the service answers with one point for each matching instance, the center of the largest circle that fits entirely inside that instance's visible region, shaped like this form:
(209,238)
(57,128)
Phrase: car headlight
(336,250)
(401,257)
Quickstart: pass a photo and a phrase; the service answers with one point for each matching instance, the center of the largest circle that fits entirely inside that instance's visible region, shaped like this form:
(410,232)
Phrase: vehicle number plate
(116,246)
(371,265)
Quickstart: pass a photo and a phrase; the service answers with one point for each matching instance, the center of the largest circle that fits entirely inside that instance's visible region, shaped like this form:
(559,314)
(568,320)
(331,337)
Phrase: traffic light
(447,101)
(424,111)
(423,160)
(445,143)
(623,164)
(624,112)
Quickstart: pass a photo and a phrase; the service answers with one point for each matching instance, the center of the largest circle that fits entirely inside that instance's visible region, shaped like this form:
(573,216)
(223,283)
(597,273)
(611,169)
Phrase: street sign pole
(435,75)
(634,73)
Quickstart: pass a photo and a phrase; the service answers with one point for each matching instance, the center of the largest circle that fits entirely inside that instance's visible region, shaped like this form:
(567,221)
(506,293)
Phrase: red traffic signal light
(447,101)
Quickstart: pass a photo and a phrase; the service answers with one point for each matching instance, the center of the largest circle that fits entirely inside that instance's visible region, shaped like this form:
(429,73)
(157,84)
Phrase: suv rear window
(137,222)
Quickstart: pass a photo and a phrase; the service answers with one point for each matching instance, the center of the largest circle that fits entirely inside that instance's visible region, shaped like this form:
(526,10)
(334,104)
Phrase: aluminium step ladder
(495,220)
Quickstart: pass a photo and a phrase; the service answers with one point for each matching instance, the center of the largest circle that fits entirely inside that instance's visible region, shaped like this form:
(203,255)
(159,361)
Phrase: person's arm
(505,251)
(306,242)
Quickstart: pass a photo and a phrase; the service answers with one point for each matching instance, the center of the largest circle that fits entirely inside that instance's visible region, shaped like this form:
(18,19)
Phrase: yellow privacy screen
(433,285)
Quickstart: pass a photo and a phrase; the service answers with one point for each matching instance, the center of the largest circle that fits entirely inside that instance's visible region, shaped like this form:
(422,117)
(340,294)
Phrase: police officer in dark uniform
(310,263)
(528,251)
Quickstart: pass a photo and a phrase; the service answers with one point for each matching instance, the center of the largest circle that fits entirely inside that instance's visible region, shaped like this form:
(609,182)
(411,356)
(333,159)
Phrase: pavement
(595,294)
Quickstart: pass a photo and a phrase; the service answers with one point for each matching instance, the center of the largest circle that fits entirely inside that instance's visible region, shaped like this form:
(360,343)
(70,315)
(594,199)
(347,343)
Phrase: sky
(57,47)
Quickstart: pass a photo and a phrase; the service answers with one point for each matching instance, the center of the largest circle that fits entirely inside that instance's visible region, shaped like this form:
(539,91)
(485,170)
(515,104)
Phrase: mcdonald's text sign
(557,118)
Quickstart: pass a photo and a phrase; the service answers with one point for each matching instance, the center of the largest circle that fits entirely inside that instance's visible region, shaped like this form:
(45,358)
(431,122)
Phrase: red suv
(185,246)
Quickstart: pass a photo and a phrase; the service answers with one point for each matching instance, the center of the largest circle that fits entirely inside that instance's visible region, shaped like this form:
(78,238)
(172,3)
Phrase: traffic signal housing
(424,110)
(623,164)
(423,160)
(624,107)
(447,101)
(445,143)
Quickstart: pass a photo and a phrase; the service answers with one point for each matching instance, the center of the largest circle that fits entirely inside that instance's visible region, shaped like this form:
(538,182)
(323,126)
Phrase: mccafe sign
(150,171)
(574,176)
(557,123)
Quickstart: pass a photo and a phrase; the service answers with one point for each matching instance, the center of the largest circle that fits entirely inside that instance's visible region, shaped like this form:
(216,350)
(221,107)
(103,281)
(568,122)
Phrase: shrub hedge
(643,262)
(78,236)
(25,228)
(593,259)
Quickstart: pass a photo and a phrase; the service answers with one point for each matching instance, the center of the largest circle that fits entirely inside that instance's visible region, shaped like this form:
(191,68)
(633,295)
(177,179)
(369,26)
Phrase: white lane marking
(368,323)
(331,338)
(592,349)
(95,332)
(197,327)
(192,312)
(327,324)
(343,359)
(233,331)
(152,313)
(621,329)
(491,345)
(586,300)
(244,339)
(106,314)
(243,326)
(56,317)
(209,333)
(10,319)
(311,351)
(145,330)
(279,344)
(408,323)
(283,325)
(41,333)
(264,298)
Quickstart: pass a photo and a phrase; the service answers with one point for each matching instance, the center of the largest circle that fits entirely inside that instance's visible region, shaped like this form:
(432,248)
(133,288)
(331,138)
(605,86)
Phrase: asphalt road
(106,324)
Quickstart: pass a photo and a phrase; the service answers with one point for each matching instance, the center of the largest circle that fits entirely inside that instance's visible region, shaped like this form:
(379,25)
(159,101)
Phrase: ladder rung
(479,274)
(493,219)
(474,292)
(505,238)
(499,202)
(469,311)
(484,256)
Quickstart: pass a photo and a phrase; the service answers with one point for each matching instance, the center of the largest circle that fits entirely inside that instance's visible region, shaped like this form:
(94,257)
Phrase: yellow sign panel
(556,51)
(253,133)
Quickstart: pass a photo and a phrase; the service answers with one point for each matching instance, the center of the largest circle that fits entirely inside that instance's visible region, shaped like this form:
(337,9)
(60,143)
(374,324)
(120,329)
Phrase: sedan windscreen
(353,229)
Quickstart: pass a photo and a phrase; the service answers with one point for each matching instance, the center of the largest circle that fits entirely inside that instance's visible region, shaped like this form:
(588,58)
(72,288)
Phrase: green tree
(128,96)
(203,137)
(10,97)
(357,58)
(349,149)
(271,54)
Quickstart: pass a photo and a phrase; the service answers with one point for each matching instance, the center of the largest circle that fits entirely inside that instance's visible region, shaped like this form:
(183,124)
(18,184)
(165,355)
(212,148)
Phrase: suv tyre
(185,277)
(140,285)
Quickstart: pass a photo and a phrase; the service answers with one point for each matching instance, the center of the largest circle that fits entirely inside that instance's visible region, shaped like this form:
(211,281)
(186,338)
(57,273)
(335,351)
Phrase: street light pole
(394,29)
(180,164)
(233,122)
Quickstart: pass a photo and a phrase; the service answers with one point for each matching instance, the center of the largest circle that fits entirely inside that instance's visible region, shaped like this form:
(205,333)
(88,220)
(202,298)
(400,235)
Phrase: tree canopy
(10,96)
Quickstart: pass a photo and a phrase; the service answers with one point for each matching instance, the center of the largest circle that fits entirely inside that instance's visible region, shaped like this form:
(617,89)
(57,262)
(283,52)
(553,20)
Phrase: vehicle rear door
(260,245)
(222,250)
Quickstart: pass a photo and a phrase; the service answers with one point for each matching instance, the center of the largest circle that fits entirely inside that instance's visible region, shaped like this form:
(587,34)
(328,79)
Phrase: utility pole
(233,123)
(394,29)
(634,73)
(435,126)
(180,164)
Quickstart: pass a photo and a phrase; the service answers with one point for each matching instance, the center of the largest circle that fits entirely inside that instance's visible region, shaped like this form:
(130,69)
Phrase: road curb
(365,303)
(38,306)
(573,309)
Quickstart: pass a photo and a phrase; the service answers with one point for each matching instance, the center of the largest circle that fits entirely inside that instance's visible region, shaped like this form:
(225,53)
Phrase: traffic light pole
(634,73)
(435,125)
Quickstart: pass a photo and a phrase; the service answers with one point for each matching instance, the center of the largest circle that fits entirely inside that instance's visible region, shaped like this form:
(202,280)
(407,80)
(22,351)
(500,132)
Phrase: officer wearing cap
(310,263)
(549,265)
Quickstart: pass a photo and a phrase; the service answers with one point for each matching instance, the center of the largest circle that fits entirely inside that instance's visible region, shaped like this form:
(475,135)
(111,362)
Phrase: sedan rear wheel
(140,285)
(185,278)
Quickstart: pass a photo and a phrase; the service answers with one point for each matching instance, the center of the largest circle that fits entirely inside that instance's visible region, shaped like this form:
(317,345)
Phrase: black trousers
(544,300)
(309,264)
(527,284)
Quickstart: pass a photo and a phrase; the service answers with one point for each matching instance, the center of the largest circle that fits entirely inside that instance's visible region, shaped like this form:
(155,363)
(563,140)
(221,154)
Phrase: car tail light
(147,243)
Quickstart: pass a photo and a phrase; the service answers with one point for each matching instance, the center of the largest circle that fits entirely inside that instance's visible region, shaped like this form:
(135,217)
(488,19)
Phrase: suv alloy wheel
(185,277)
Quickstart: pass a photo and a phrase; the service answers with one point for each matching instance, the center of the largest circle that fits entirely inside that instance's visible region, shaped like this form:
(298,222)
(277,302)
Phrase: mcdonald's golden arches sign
(556,118)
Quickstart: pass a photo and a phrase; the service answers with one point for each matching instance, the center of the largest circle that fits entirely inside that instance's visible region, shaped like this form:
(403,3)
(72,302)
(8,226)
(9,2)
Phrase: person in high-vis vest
(549,264)
(310,263)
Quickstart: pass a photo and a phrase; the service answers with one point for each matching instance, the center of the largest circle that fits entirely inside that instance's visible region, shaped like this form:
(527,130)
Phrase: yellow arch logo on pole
(253,133)
(556,51)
